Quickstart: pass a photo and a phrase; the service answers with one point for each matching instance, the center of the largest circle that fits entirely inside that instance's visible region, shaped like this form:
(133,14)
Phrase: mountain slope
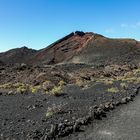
(64,49)
(103,50)
(80,47)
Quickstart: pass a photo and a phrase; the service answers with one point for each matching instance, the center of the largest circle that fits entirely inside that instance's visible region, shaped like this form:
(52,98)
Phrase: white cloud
(134,26)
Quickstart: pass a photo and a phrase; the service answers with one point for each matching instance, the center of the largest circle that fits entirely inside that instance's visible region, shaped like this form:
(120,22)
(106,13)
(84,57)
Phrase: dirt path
(121,124)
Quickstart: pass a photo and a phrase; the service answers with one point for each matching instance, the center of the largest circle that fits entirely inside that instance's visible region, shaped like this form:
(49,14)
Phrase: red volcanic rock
(80,47)
(64,49)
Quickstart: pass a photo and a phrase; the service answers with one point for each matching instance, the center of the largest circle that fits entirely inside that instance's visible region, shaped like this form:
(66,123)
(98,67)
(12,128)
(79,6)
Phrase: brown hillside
(18,55)
(64,49)
(90,48)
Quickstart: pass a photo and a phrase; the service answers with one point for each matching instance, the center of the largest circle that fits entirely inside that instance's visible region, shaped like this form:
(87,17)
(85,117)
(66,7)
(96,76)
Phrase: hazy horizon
(37,24)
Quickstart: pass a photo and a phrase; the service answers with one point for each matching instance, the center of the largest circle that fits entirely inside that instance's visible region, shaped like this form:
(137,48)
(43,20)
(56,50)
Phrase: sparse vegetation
(17,85)
(47,85)
(124,85)
(108,82)
(79,82)
(6,86)
(54,110)
(61,83)
(35,89)
(113,90)
(57,90)
(21,89)
(49,114)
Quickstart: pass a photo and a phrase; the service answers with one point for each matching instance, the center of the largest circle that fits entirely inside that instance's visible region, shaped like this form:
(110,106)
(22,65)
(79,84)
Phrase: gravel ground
(120,124)
(40,115)
(28,116)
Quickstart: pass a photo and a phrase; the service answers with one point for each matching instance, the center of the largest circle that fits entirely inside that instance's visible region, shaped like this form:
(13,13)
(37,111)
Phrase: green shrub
(6,86)
(21,89)
(57,90)
(113,90)
(35,89)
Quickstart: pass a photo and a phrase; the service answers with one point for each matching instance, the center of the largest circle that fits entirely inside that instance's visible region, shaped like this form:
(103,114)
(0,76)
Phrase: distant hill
(17,55)
(79,47)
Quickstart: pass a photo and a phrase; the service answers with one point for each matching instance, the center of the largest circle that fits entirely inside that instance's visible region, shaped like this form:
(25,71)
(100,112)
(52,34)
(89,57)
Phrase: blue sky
(38,23)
